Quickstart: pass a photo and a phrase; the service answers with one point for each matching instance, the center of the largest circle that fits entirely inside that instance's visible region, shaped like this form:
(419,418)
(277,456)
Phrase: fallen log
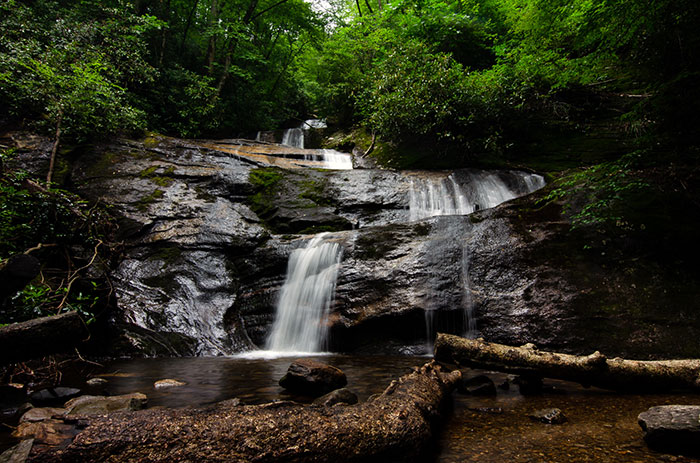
(41,336)
(591,370)
(394,426)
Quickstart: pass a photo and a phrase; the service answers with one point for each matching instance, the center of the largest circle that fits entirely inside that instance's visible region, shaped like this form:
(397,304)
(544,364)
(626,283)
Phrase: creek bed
(601,427)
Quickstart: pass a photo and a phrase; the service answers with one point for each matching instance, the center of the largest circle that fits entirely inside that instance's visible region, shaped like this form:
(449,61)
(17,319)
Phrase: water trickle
(480,190)
(305,298)
(293,137)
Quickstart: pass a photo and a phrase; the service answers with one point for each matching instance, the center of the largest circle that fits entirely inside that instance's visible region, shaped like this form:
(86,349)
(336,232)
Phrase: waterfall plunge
(428,198)
(300,319)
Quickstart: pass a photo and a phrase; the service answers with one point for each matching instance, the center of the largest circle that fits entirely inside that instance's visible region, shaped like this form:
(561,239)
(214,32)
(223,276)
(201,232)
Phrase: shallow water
(601,427)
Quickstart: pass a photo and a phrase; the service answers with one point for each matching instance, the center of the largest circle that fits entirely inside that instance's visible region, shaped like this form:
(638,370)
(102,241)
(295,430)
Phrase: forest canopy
(461,73)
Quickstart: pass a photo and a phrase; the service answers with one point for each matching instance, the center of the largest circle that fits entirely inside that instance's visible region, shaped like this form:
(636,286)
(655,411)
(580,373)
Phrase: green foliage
(72,66)
(607,189)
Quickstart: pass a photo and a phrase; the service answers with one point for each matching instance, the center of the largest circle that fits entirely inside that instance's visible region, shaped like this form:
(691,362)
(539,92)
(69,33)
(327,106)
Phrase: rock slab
(672,428)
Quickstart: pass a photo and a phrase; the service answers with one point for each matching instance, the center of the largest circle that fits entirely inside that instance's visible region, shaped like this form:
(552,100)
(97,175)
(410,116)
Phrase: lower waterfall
(300,318)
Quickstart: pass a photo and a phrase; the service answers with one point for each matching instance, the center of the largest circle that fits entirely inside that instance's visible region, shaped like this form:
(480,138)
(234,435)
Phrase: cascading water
(293,137)
(336,160)
(472,191)
(482,190)
(306,296)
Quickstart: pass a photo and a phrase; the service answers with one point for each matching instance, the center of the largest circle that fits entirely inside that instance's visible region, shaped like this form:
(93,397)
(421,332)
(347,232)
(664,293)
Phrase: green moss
(103,165)
(151,140)
(143,203)
(204,195)
(266,182)
(163,178)
(314,189)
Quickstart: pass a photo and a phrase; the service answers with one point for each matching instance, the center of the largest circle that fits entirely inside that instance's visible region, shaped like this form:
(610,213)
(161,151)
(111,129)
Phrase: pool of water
(601,427)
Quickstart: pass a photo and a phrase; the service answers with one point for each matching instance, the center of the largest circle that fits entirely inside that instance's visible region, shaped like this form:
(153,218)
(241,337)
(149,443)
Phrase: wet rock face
(183,217)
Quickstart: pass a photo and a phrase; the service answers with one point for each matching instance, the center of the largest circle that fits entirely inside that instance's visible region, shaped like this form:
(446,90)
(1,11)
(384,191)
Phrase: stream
(601,427)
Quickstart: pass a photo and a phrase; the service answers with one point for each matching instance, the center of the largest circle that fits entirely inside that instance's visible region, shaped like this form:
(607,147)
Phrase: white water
(483,190)
(293,137)
(336,160)
(300,320)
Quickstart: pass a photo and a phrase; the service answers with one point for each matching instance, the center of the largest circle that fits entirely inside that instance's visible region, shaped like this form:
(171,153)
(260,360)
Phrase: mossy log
(395,426)
(41,336)
(591,370)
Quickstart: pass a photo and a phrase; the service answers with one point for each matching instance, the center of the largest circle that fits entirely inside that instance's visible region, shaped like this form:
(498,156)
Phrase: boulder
(339,396)
(549,416)
(672,428)
(312,378)
(100,405)
(53,395)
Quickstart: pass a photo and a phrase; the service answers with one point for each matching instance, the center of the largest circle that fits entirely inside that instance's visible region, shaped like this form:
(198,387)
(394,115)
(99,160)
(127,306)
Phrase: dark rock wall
(200,272)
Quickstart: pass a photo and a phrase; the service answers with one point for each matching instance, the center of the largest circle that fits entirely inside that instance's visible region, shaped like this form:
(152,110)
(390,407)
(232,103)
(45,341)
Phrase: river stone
(339,396)
(672,428)
(165,383)
(53,395)
(100,405)
(549,416)
(312,378)
(48,432)
(34,415)
(478,385)
(96,382)
(18,453)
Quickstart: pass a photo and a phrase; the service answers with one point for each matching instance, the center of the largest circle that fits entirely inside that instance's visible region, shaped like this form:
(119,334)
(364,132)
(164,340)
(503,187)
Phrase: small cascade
(314,124)
(481,190)
(305,298)
(258,136)
(293,138)
(336,160)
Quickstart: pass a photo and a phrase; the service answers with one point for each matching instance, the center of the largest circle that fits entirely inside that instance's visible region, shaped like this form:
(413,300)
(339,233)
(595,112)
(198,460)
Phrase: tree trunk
(187,26)
(211,47)
(54,150)
(395,425)
(41,336)
(591,370)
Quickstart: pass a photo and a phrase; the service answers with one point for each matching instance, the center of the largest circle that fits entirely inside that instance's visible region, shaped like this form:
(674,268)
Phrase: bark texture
(41,336)
(395,426)
(590,370)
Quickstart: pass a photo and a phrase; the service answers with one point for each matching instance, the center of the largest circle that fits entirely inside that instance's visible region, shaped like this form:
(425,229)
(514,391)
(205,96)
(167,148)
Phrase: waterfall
(305,298)
(481,190)
(336,160)
(293,137)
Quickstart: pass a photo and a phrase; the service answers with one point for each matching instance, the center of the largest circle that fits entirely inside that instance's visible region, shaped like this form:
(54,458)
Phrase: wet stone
(100,405)
(339,396)
(478,385)
(672,428)
(96,382)
(312,378)
(166,383)
(53,395)
(549,416)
